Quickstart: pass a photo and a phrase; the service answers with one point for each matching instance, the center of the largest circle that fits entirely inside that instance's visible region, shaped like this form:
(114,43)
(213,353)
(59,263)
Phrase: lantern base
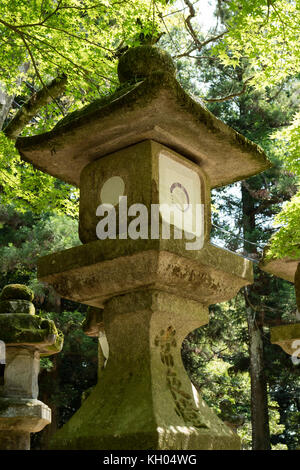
(144,398)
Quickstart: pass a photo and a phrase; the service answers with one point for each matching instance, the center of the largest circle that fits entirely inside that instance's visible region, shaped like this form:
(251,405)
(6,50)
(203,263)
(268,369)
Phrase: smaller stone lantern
(286,336)
(26,337)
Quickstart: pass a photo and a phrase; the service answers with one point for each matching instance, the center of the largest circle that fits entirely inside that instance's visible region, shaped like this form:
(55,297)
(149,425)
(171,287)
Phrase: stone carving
(183,401)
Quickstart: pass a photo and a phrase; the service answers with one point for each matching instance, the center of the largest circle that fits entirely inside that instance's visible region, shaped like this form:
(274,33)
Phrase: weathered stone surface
(285,336)
(23,415)
(145,399)
(285,268)
(25,330)
(93,326)
(21,373)
(18,418)
(93,322)
(94,272)
(17,306)
(139,169)
(16,292)
(155,108)
(14,440)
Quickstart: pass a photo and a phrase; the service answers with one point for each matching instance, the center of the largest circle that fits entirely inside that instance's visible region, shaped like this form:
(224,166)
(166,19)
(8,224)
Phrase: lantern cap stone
(16,292)
(155,107)
(140,62)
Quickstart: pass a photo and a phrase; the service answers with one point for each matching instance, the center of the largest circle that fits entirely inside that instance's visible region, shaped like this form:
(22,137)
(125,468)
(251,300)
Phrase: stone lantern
(136,153)
(26,337)
(286,336)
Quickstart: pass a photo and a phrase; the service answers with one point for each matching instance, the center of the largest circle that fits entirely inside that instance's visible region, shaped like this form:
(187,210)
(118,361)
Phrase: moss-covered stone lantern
(26,337)
(138,152)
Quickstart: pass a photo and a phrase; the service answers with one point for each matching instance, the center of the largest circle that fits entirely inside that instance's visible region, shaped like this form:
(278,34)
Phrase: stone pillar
(26,337)
(145,330)
(144,399)
(15,440)
(21,372)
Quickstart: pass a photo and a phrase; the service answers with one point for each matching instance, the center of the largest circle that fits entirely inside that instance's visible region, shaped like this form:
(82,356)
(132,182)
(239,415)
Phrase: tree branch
(31,107)
(79,67)
(76,37)
(188,22)
(199,45)
(229,97)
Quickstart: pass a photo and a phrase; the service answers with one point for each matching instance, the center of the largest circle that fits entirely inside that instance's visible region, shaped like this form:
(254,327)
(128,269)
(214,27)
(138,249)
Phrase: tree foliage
(286,242)
(266,34)
(44,40)
(78,38)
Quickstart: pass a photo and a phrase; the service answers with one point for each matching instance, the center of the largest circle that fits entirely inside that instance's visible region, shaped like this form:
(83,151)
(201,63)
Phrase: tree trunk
(259,392)
(6,100)
(5,105)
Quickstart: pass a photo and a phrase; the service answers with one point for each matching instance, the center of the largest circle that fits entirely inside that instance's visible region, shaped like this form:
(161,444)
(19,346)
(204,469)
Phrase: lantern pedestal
(144,398)
(151,299)
(18,418)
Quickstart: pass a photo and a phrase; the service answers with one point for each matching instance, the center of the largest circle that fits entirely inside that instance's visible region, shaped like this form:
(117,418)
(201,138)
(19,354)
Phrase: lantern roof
(285,268)
(149,104)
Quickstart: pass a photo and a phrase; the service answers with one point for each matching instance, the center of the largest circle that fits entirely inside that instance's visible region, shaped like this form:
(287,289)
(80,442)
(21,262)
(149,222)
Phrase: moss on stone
(55,347)
(140,62)
(30,330)
(290,331)
(123,89)
(17,306)
(86,394)
(16,292)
